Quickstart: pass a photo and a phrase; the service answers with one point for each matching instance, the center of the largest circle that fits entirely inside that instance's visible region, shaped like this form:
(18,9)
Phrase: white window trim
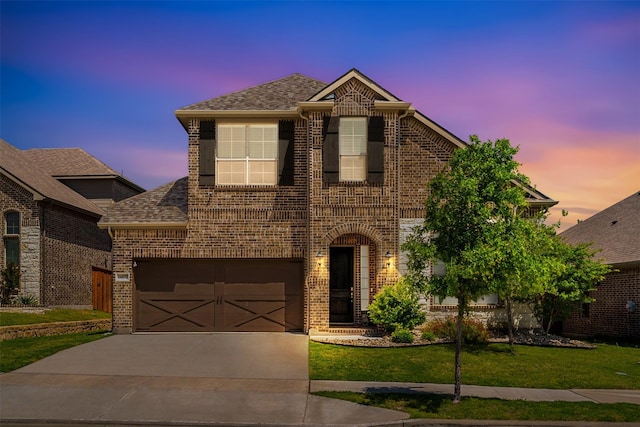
(247,160)
(353,156)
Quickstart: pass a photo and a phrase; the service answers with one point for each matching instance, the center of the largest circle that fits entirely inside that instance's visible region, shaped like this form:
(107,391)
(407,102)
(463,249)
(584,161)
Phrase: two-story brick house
(298,198)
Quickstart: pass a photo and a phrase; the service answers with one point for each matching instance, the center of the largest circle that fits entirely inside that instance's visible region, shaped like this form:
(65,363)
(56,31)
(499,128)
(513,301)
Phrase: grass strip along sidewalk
(441,406)
(606,367)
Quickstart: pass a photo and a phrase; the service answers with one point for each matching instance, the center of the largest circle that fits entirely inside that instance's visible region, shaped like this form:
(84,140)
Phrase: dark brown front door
(341,285)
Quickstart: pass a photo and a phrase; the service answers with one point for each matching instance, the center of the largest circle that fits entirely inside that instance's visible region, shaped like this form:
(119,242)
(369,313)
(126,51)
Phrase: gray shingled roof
(74,162)
(68,162)
(165,204)
(30,175)
(615,231)
(282,94)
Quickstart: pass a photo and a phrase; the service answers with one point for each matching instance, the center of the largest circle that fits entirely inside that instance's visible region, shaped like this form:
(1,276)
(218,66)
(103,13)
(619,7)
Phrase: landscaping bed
(525,337)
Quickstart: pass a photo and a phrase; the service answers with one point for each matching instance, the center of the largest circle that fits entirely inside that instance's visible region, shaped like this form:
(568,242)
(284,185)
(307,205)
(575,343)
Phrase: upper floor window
(353,149)
(12,238)
(247,154)
(236,154)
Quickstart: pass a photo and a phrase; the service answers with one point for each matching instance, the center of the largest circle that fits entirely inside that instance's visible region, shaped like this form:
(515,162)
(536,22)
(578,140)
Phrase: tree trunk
(457,391)
(549,324)
(510,322)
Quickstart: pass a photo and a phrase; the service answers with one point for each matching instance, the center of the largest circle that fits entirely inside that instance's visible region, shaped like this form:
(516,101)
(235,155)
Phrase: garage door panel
(219,295)
(253,307)
(166,312)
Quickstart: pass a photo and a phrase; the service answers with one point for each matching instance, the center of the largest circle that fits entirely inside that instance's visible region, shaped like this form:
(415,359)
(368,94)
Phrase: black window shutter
(330,149)
(286,134)
(207,152)
(375,150)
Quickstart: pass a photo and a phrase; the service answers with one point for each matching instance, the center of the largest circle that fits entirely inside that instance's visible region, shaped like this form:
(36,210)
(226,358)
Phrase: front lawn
(607,366)
(56,315)
(441,406)
(20,352)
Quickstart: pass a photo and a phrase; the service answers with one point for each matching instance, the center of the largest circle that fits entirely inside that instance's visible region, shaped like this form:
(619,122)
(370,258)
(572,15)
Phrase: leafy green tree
(576,274)
(471,205)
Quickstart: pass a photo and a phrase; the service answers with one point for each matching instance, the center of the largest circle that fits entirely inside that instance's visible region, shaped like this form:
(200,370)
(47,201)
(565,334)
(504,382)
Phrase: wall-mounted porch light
(319,258)
(387,255)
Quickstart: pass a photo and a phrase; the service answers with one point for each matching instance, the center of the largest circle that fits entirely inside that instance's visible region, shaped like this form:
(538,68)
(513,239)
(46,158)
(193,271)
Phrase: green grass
(49,316)
(608,366)
(20,352)
(441,406)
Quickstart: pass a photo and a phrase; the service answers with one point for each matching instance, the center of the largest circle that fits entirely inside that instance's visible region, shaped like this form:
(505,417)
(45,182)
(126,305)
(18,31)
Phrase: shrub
(396,306)
(402,335)
(9,282)
(473,332)
(428,335)
(26,299)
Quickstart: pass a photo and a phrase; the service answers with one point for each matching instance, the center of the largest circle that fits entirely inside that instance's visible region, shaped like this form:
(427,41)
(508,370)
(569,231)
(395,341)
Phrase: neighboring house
(298,198)
(48,229)
(615,232)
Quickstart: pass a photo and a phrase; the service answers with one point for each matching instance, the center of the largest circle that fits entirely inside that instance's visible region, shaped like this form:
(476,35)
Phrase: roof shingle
(282,94)
(165,204)
(615,231)
(62,162)
(28,173)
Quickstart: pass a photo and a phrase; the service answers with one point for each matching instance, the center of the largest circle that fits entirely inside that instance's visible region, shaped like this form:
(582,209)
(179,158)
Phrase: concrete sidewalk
(506,393)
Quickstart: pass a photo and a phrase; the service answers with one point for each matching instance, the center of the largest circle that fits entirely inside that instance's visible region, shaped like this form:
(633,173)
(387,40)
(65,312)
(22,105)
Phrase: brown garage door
(218,295)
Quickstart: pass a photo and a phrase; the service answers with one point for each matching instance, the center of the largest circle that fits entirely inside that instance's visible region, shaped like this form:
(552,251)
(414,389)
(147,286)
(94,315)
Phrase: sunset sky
(559,79)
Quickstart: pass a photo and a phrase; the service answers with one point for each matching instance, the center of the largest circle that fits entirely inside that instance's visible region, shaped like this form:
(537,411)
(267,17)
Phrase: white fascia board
(350,75)
(440,130)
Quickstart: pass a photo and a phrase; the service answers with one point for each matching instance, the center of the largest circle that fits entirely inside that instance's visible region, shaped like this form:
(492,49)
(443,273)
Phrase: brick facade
(58,248)
(71,245)
(306,218)
(609,314)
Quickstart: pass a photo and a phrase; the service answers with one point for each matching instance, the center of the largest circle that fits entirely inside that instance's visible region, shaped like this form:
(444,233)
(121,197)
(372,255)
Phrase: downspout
(309,263)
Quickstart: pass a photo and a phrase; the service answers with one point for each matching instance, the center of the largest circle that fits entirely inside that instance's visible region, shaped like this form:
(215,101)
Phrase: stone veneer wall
(608,315)
(15,198)
(55,328)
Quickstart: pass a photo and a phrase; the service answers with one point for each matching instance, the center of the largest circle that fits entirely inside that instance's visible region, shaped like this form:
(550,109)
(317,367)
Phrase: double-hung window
(12,238)
(353,148)
(247,154)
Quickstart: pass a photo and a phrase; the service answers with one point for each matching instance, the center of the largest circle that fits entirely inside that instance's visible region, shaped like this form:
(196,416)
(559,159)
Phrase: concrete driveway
(229,378)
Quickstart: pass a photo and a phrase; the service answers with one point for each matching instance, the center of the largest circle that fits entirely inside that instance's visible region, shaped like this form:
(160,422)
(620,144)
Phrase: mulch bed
(536,338)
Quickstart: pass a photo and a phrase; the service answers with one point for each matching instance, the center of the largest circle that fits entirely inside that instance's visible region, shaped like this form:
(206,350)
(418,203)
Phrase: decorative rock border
(55,328)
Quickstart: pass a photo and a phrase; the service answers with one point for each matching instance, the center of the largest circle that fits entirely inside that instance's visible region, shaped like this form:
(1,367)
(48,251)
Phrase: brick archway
(353,228)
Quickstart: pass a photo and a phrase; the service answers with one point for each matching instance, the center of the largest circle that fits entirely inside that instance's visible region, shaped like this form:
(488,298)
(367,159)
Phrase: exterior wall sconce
(319,258)
(387,255)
